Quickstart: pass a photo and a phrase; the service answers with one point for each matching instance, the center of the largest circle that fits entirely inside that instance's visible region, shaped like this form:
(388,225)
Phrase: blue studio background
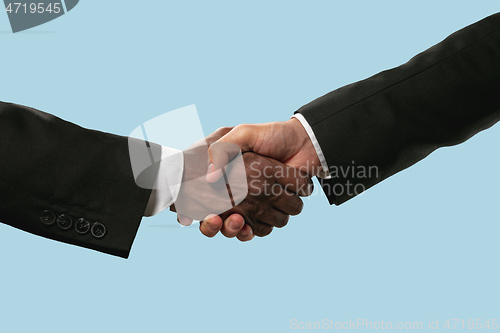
(422,245)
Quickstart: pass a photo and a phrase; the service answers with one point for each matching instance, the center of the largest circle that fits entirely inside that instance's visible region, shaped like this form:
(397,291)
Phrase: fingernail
(246,232)
(233,225)
(212,227)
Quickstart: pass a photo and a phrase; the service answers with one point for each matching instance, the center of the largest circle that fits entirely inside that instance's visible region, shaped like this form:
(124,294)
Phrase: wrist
(299,133)
(306,152)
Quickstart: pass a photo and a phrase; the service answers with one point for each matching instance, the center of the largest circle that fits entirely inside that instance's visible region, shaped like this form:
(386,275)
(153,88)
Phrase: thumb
(221,152)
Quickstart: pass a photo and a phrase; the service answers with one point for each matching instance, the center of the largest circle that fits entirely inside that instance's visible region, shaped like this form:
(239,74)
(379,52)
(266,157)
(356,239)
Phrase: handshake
(275,161)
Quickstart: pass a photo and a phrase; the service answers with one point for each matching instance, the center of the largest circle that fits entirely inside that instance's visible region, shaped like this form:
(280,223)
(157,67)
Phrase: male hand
(273,195)
(262,209)
(284,141)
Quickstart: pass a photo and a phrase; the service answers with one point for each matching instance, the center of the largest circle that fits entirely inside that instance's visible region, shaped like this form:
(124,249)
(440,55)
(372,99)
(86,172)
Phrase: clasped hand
(231,187)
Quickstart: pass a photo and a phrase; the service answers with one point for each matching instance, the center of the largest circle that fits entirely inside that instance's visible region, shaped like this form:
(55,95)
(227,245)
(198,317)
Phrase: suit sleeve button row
(82,226)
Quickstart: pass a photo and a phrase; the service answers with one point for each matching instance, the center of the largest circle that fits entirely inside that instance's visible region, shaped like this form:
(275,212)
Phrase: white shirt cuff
(164,195)
(324,172)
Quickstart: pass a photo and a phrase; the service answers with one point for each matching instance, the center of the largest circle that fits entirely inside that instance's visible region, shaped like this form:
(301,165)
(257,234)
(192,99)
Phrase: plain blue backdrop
(423,245)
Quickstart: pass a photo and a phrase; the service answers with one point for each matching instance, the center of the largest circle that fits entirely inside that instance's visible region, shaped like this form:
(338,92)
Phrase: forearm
(392,120)
(52,165)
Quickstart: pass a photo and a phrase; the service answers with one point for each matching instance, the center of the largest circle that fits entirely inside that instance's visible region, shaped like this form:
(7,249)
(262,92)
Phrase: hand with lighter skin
(260,212)
(273,194)
(285,141)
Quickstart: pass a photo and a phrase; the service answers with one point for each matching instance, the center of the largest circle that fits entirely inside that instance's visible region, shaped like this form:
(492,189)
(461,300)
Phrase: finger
(275,218)
(261,229)
(293,179)
(213,174)
(211,225)
(184,220)
(232,225)
(245,234)
(239,139)
(288,203)
(217,134)
(220,153)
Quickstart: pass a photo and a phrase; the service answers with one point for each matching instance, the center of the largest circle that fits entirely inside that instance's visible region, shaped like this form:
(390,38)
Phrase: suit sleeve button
(82,226)
(98,230)
(64,221)
(48,217)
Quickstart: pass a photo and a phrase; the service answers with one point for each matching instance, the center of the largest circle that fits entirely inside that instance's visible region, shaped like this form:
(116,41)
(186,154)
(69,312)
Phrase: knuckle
(221,131)
(263,230)
(261,212)
(283,222)
(306,186)
(242,127)
(297,207)
(224,129)
(242,130)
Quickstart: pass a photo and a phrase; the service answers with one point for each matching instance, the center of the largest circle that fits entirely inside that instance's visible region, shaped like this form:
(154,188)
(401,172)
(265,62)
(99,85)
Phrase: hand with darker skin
(271,192)
(274,191)
(232,226)
(284,141)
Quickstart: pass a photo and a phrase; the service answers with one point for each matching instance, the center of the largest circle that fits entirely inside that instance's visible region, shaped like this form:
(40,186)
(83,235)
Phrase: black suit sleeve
(374,128)
(50,167)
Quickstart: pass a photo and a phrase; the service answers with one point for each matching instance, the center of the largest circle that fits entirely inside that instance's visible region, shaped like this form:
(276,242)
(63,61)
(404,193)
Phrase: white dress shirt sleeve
(324,172)
(164,194)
